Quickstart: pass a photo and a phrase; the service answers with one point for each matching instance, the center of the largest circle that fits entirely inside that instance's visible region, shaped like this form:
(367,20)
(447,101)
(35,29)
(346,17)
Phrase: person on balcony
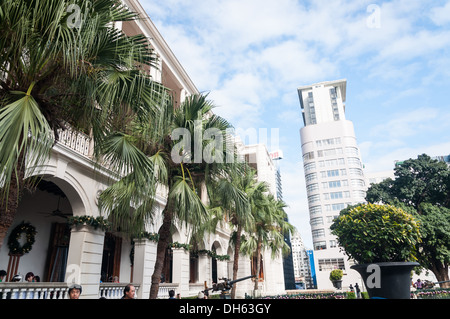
(2,275)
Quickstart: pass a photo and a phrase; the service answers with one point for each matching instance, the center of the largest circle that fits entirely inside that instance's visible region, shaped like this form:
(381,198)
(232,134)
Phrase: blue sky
(251,55)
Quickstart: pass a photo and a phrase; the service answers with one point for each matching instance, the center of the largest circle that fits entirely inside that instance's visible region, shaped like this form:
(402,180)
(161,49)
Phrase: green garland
(213,254)
(195,253)
(179,245)
(96,222)
(150,236)
(15,248)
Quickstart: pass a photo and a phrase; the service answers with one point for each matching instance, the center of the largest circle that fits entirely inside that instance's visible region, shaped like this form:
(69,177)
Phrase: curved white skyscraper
(333,172)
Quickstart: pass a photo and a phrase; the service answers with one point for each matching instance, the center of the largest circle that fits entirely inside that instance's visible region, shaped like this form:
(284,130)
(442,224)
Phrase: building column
(180,272)
(222,269)
(84,261)
(204,269)
(244,270)
(144,265)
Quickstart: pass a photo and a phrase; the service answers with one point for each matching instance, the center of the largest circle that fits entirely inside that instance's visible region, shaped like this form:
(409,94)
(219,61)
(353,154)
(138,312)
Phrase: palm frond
(23,132)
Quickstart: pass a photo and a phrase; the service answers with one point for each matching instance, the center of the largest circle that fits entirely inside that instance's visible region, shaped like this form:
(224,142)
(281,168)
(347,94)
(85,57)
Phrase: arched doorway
(47,208)
(254,267)
(215,248)
(112,249)
(166,274)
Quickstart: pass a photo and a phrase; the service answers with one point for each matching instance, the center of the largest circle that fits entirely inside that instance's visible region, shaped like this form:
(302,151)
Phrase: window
(254,263)
(308,156)
(334,184)
(336,195)
(314,198)
(351,151)
(354,161)
(316,221)
(330,219)
(333,244)
(358,183)
(320,245)
(315,210)
(338,207)
(355,171)
(312,187)
(318,233)
(310,166)
(361,194)
(333,173)
(310,177)
(331,264)
(332,162)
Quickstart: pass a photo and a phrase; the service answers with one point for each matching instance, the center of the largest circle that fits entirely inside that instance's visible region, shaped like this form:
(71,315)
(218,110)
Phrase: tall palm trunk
(258,262)
(163,244)
(8,209)
(237,248)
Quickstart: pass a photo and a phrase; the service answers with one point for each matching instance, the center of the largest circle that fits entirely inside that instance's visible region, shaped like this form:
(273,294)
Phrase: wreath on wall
(15,247)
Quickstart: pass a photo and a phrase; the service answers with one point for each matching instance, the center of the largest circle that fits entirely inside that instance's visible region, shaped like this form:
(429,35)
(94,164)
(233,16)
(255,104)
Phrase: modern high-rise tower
(333,172)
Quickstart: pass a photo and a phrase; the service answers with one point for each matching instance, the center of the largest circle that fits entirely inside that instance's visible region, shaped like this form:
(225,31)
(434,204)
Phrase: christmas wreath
(15,248)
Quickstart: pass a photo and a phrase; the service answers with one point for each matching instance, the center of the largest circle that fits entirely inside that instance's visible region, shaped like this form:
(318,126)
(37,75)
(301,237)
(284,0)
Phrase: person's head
(129,292)
(2,274)
(29,277)
(171,293)
(75,291)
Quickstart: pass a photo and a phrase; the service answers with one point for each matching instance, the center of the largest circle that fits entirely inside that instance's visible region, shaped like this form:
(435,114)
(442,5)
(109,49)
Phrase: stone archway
(216,273)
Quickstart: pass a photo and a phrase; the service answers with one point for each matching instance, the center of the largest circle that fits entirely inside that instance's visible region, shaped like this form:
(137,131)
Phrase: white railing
(55,290)
(113,290)
(38,290)
(164,288)
(77,141)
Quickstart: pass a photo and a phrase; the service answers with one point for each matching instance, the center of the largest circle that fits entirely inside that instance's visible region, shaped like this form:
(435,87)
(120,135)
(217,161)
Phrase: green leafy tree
(59,70)
(371,233)
(422,187)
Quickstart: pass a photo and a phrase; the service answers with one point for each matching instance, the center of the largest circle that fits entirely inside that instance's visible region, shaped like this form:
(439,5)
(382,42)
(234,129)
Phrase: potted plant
(381,239)
(336,278)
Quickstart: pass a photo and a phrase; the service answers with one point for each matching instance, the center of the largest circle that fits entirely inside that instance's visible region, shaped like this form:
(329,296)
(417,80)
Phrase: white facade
(302,268)
(333,172)
(87,256)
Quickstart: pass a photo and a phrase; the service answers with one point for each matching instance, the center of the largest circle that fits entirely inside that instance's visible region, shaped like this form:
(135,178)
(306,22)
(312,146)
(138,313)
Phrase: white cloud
(441,15)
(406,124)
(252,55)
(386,161)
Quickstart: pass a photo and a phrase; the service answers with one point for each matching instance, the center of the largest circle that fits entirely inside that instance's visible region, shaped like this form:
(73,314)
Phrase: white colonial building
(104,262)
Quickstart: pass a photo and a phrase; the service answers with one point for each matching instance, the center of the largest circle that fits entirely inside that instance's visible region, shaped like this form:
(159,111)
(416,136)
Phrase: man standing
(128,292)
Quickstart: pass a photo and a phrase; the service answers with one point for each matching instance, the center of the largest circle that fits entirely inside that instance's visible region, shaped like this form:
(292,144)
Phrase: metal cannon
(225,286)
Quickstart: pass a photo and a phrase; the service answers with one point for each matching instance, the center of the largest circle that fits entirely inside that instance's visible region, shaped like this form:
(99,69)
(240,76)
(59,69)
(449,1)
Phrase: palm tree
(239,195)
(55,73)
(268,231)
(187,148)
